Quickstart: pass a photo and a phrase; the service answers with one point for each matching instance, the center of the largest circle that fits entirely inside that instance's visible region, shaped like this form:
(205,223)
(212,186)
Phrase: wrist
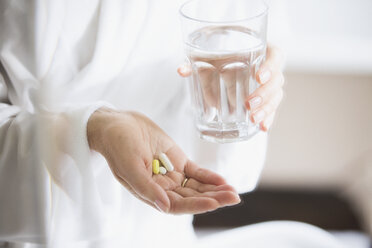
(95,127)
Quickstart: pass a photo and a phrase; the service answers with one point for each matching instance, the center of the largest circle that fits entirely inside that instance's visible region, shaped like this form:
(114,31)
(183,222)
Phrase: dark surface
(323,209)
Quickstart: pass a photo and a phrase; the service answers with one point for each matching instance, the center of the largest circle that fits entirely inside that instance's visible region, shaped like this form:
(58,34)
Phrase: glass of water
(225,42)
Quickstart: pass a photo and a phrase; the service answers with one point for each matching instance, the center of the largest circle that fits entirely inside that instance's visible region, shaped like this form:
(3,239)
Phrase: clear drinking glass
(225,42)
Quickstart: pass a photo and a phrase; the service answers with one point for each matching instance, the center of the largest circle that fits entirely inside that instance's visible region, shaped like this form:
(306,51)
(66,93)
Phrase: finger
(184,70)
(171,180)
(131,190)
(201,187)
(164,181)
(268,108)
(142,183)
(176,177)
(274,62)
(152,192)
(265,92)
(224,198)
(174,180)
(275,56)
(266,124)
(191,205)
(202,175)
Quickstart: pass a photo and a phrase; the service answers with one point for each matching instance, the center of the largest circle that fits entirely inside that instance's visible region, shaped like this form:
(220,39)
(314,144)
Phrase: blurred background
(319,160)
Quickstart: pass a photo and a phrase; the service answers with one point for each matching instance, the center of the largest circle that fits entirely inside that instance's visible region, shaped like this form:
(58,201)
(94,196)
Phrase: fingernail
(239,200)
(160,206)
(185,70)
(265,76)
(258,116)
(255,102)
(265,127)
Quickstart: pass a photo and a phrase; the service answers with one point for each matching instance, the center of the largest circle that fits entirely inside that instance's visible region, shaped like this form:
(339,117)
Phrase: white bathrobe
(61,60)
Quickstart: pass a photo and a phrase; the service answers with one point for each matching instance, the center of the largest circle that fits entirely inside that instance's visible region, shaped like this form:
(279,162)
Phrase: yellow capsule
(155,166)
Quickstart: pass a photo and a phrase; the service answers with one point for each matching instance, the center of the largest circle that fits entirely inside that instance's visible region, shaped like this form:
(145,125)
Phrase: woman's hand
(264,101)
(130,141)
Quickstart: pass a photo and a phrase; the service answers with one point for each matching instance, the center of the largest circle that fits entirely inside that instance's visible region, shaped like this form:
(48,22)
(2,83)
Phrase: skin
(129,141)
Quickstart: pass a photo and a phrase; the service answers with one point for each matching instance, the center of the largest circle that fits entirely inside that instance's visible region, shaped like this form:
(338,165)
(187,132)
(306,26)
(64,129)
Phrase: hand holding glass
(225,43)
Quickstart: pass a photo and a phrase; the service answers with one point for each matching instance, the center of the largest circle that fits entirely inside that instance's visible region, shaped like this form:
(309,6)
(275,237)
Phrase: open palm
(130,141)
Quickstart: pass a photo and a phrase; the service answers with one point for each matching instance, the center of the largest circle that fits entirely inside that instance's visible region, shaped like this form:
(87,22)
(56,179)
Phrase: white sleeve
(49,88)
(25,178)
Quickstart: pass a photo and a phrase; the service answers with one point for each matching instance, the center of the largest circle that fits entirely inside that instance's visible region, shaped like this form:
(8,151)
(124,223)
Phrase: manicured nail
(185,70)
(265,76)
(238,200)
(265,127)
(160,206)
(258,116)
(255,102)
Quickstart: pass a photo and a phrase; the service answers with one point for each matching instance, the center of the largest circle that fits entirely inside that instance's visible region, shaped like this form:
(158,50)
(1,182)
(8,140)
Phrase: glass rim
(264,12)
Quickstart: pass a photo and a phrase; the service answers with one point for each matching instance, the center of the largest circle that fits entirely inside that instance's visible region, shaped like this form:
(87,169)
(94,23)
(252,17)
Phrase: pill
(162,170)
(166,162)
(155,166)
